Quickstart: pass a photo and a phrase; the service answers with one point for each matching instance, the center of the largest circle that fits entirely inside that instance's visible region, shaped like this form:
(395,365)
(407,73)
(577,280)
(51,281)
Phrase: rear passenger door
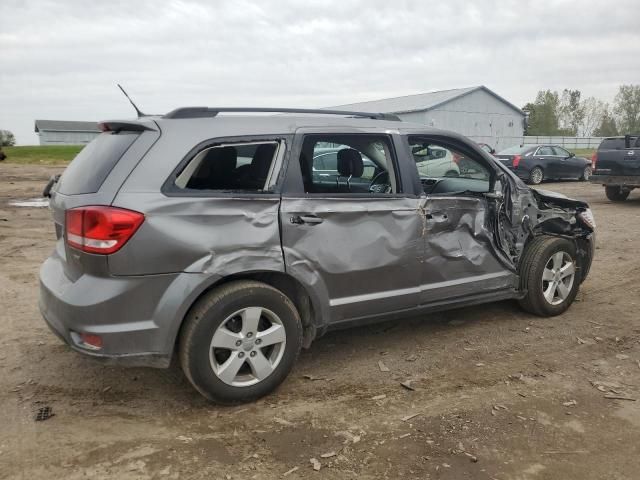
(356,247)
(550,162)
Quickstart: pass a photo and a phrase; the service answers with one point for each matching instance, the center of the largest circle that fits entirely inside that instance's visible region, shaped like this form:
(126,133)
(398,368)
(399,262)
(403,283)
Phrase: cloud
(61,60)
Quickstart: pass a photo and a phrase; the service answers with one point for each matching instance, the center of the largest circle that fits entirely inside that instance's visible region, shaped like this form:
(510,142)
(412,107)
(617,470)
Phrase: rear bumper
(632,181)
(137,318)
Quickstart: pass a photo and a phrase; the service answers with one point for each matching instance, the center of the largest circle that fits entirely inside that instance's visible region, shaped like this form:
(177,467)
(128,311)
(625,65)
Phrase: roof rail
(204,112)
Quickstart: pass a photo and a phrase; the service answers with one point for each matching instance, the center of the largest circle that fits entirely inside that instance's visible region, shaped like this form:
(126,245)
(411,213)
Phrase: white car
(436,162)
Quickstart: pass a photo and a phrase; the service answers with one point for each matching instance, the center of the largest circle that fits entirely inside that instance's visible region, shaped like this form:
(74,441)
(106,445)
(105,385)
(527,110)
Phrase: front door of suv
(356,244)
(460,259)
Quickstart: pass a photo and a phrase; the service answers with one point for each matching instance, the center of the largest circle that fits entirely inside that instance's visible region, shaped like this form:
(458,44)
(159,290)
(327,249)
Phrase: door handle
(306,219)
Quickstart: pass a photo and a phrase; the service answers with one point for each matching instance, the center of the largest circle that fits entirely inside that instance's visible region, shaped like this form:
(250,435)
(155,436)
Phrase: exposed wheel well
(287,285)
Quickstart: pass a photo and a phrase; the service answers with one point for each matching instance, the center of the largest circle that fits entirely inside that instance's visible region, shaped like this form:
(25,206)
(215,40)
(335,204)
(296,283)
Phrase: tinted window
(234,167)
(545,151)
(91,166)
(561,152)
(611,144)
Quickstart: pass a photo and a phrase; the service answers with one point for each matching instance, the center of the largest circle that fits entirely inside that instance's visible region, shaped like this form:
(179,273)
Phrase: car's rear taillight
(594,160)
(100,229)
(516,161)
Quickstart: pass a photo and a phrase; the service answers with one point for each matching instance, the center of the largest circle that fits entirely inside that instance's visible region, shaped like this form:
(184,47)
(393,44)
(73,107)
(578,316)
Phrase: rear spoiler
(123,126)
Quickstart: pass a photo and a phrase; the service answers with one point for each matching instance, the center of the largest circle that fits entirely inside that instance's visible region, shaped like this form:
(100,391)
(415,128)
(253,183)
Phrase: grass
(582,152)
(42,154)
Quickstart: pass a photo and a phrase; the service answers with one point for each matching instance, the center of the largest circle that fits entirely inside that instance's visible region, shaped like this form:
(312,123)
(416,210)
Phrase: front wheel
(549,275)
(240,341)
(536,175)
(616,193)
(586,174)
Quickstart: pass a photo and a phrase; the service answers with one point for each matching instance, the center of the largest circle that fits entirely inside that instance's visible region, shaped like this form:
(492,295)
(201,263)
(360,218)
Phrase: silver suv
(207,235)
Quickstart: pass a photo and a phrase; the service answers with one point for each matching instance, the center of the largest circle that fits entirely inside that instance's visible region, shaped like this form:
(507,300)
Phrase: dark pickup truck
(616,165)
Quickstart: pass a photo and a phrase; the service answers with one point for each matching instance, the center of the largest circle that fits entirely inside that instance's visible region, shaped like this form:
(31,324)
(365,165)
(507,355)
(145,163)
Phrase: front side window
(561,152)
(443,169)
(241,167)
(347,164)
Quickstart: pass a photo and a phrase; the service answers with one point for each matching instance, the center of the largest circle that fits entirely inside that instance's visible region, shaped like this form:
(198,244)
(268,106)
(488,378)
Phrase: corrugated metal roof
(66,126)
(419,102)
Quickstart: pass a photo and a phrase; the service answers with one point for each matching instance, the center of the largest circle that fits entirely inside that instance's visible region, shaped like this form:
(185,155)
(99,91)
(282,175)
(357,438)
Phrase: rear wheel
(586,174)
(240,341)
(549,275)
(616,193)
(536,175)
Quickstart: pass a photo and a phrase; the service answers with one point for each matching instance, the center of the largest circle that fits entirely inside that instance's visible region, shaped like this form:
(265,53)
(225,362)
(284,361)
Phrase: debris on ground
(409,417)
(289,472)
(382,366)
(379,397)
(619,397)
(282,421)
(405,435)
(570,403)
(316,464)
(407,384)
(44,413)
(329,454)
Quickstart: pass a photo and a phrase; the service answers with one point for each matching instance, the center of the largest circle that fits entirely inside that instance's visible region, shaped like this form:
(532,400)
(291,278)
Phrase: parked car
(535,163)
(434,162)
(168,245)
(616,166)
(325,169)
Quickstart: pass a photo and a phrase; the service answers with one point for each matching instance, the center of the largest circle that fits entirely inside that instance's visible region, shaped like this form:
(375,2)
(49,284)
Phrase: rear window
(91,166)
(616,143)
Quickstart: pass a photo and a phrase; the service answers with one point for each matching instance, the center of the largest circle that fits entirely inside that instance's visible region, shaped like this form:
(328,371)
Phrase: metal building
(476,112)
(63,132)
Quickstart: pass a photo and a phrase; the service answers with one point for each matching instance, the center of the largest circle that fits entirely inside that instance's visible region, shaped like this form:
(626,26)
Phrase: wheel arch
(308,306)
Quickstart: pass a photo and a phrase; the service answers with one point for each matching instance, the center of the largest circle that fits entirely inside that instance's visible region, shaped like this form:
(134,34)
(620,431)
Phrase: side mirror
(571,154)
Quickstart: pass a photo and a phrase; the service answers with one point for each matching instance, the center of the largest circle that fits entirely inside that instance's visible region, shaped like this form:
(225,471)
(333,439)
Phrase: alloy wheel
(558,277)
(247,346)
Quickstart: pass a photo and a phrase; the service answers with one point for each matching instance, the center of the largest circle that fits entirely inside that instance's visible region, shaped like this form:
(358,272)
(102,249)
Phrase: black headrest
(262,160)
(350,163)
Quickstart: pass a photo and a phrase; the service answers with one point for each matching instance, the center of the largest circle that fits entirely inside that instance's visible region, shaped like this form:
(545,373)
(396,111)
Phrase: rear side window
(246,167)
(87,172)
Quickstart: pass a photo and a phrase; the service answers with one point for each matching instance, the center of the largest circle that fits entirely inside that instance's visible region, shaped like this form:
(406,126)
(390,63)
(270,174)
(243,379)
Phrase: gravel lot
(499,394)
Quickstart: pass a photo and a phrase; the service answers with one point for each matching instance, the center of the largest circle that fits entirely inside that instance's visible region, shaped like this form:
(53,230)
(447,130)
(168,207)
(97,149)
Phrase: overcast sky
(60,60)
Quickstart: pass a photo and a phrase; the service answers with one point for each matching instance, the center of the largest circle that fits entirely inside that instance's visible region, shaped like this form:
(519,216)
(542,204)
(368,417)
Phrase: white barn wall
(477,115)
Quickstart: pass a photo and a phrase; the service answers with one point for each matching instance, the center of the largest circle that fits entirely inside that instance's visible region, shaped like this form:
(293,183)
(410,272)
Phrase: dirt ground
(499,394)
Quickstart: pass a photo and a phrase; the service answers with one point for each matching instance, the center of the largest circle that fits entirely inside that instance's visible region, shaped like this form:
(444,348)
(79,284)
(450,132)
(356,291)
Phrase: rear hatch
(94,178)
(618,156)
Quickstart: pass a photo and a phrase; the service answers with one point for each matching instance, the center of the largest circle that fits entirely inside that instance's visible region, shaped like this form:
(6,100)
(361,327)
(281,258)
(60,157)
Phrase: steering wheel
(380,183)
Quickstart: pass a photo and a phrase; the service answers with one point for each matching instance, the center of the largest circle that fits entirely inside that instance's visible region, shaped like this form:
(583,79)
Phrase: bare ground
(526,397)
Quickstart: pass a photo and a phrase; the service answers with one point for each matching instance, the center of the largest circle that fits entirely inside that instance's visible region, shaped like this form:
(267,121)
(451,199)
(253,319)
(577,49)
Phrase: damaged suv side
(224,240)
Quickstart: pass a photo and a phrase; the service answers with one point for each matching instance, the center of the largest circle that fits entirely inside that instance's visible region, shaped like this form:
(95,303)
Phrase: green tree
(627,107)
(607,127)
(571,112)
(7,139)
(543,114)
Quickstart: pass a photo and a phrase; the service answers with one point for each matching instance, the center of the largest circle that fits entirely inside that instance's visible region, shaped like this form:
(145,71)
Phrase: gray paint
(377,256)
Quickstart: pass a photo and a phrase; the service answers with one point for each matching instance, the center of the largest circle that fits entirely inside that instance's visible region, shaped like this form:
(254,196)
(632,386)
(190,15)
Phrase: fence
(500,143)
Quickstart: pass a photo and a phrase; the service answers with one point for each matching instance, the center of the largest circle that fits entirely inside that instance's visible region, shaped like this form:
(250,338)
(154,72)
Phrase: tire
(586,174)
(541,255)
(536,175)
(451,173)
(227,315)
(616,193)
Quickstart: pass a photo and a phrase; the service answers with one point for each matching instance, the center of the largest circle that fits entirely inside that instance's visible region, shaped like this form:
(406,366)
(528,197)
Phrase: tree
(571,112)
(7,139)
(594,111)
(543,114)
(627,107)
(607,127)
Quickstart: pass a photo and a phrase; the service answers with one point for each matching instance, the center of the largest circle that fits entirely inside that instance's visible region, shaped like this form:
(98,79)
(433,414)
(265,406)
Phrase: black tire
(586,173)
(534,178)
(537,255)
(208,314)
(616,193)
(451,173)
